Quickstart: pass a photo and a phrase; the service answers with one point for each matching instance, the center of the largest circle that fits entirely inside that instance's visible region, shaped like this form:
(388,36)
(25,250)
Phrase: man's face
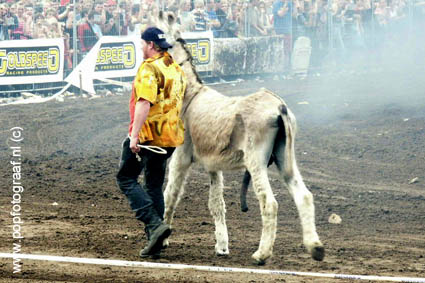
(87,5)
(110,8)
(98,8)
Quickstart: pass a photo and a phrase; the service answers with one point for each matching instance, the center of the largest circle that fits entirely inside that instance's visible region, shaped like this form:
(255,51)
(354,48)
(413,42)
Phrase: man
(213,21)
(200,16)
(112,20)
(185,17)
(155,106)
(282,20)
(86,35)
(253,18)
(224,30)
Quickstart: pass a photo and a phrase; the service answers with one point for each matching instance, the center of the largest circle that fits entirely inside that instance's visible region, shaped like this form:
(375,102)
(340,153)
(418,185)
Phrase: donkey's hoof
(222,252)
(318,253)
(244,208)
(259,259)
(260,262)
(165,243)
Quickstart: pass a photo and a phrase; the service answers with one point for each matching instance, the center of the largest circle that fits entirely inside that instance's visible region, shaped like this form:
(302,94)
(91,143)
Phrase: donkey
(234,133)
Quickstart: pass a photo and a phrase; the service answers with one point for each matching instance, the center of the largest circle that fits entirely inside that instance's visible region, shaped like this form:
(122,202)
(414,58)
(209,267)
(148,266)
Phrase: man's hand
(133,145)
(140,114)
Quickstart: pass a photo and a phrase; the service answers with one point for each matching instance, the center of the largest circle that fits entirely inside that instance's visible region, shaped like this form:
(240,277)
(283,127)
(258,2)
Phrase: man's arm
(140,115)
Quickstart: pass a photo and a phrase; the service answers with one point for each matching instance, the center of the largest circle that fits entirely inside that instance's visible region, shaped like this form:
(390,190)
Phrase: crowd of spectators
(352,20)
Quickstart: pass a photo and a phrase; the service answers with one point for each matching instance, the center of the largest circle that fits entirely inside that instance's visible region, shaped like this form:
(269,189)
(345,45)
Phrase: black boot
(156,232)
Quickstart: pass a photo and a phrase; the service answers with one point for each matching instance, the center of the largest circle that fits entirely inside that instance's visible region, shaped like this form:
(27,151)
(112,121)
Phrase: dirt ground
(360,141)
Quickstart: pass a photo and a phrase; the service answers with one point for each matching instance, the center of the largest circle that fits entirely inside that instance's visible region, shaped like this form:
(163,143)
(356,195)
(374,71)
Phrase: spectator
(228,27)
(301,19)
(213,22)
(100,10)
(264,18)
(69,29)
(151,11)
(110,27)
(185,17)
(366,14)
(4,24)
(87,5)
(282,20)
(63,12)
(253,27)
(51,15)
(338,11)
(134,25)
(38,31)
(87,38)
(200,16)
(238,11)
(19,20)
(12,22)
(97,24)
(318,32)
(55,29)
(28,21)
(382,13)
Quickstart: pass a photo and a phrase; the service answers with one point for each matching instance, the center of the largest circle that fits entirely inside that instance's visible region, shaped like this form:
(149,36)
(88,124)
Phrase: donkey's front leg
(218,211)
(178,168)
(268,207)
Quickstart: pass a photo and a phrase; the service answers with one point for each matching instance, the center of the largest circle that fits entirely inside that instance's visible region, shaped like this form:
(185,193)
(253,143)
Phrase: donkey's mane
(189,58)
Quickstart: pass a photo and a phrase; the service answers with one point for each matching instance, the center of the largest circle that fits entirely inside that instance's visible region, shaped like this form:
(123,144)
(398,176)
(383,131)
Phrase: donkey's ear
(161,15)
(171,19)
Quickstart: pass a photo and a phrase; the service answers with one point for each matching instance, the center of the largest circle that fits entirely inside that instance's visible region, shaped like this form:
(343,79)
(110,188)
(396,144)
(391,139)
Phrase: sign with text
(118,57)
(31,61)
(200,45)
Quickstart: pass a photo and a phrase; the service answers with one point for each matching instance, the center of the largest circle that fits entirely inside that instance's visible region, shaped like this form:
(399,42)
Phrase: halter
(188,58)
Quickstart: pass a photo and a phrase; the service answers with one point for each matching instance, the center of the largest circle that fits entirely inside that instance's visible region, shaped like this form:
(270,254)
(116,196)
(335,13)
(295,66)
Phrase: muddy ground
(361,140)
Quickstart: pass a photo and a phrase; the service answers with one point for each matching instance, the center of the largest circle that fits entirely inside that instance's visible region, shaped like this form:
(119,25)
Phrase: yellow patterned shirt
(162,82)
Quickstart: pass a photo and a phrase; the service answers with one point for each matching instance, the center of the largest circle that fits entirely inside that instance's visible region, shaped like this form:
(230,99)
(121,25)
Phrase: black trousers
(143,198)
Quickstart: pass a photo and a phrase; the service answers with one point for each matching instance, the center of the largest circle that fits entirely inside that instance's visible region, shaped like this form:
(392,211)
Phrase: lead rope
(152,148)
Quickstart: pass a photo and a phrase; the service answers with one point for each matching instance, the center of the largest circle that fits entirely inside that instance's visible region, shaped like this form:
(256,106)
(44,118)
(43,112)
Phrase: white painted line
(206,268)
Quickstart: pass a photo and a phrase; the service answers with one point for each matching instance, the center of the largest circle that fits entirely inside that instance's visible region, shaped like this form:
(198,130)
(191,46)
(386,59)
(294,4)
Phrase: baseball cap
(156,35)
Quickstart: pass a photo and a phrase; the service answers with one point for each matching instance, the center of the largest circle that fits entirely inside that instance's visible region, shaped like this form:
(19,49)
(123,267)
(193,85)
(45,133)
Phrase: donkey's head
(167,22)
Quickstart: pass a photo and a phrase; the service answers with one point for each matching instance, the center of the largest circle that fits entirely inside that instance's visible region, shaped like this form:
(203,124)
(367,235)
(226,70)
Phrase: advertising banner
(31,61)
(200,45)
(118,57)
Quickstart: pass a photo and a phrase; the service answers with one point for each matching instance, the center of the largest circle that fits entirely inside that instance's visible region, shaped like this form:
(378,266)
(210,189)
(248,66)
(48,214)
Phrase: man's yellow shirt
(162,82)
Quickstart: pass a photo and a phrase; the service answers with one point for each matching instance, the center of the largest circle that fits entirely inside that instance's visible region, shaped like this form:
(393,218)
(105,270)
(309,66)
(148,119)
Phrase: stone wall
(258,55)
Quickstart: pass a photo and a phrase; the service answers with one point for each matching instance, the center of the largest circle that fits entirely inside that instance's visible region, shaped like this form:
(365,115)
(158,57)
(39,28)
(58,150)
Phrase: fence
(341,31)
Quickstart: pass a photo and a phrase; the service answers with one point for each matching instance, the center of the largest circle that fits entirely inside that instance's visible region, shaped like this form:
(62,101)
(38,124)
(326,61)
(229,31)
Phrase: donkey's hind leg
(303,200)
(179,165)
(218,211)
(268,208)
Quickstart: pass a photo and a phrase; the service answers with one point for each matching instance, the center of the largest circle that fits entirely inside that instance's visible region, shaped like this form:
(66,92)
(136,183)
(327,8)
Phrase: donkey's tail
(290,127)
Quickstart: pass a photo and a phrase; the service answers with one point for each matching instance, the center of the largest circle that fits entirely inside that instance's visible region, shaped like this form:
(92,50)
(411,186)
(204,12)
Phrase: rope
(153,148)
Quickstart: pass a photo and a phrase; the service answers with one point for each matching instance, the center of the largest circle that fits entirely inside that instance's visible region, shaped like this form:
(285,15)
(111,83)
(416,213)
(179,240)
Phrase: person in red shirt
(86,36)
(155,105)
